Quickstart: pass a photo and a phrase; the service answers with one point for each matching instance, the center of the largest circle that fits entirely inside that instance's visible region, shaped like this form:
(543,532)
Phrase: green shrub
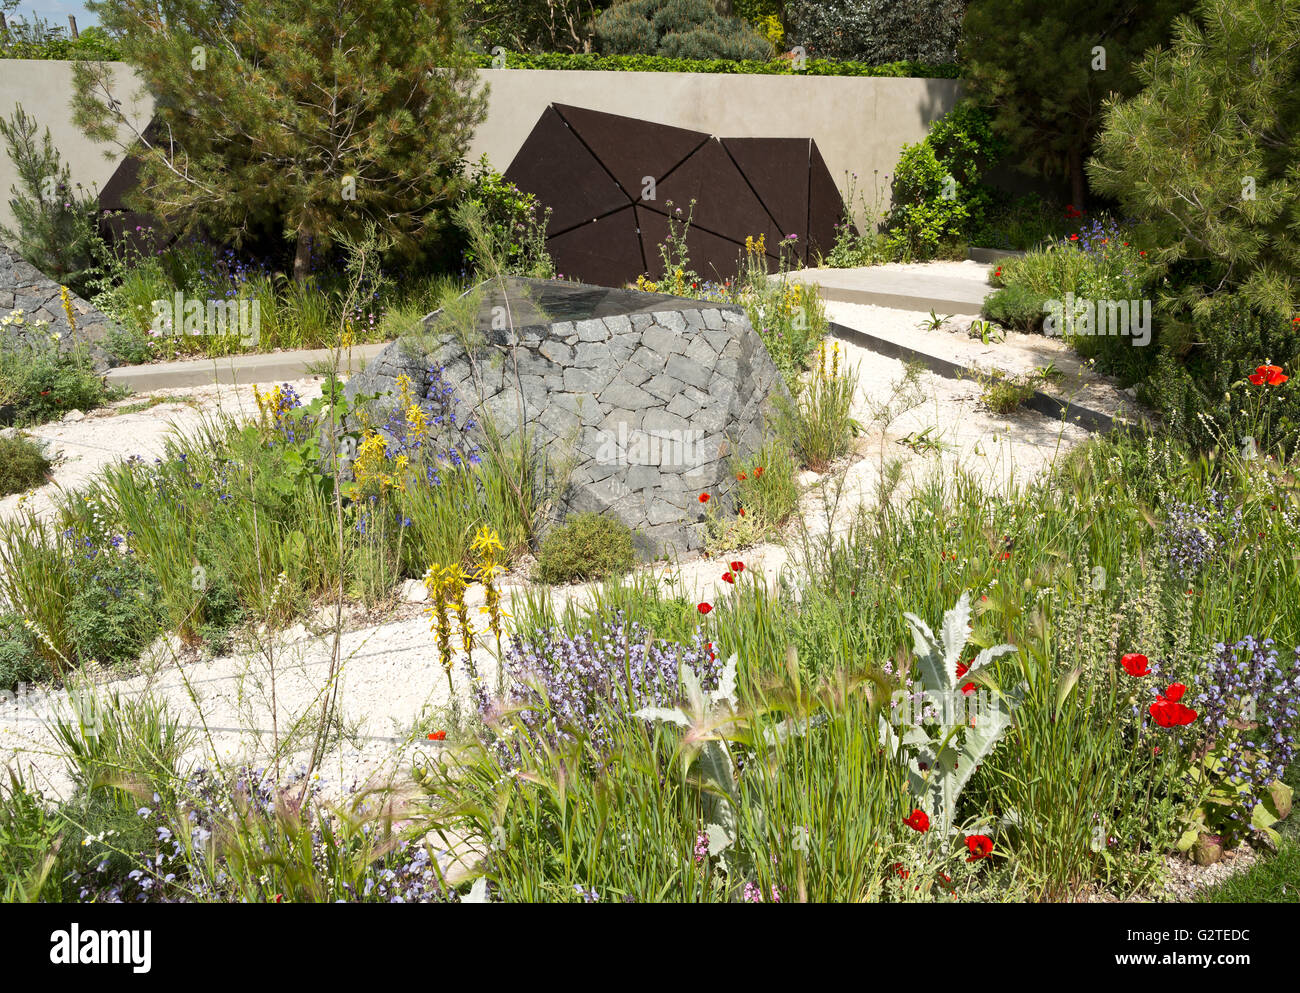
(878,30)
(42,382)
(680,29)
(937,195)
(1019,223)
(57,222)
(23,465)
(1005,394)
(1206,157)
(20,662)
(111,615)
(819,424)
(514,220)
(588,546)
(1205,394)
(1016,306)
(590,62)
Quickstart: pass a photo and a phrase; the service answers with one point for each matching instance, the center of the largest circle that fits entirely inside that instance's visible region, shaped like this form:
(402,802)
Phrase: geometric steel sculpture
(609,180)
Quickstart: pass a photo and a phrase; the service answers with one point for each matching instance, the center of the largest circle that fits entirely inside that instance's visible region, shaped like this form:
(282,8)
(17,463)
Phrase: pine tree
(320,117)
(1207,156)
(1048,65)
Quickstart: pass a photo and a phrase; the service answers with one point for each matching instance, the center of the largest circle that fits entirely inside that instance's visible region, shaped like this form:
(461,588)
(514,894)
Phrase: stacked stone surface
(24,287)
(646,400)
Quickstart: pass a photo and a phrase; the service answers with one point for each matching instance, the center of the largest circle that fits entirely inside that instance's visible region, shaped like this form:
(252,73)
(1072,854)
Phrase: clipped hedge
(773,67)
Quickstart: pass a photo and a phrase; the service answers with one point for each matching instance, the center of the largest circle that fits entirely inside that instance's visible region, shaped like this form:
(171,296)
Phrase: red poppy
(742,511)
(279,898)
(902,873)
(437,735)
(918,820)
(1268,375)
(1005,556)
(704,608)
(980,846)
(704,498)
(728,577)
(1135,664)
(758,472)
(1074,237)
(1167,712)
(962,669)
(737,566)
(742,477)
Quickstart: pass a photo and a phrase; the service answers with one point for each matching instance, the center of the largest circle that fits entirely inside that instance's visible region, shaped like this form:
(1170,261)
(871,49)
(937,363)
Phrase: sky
(56,12)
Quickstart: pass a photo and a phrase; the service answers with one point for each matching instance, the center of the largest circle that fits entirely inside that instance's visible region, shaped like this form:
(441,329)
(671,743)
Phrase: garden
(381,631)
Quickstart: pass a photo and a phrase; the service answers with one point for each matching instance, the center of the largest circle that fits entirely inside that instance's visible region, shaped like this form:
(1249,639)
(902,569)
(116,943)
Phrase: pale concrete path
(945,287)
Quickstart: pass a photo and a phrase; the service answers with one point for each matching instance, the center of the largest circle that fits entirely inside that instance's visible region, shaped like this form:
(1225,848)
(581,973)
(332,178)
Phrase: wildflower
(980,847)
(1268,375)
(758,472)
(437,735)
(728,577)
(704,498)
(918,820)
(704,608)
(1167,712)
(902,873)
(741,477)
(701,847)
(1135,664)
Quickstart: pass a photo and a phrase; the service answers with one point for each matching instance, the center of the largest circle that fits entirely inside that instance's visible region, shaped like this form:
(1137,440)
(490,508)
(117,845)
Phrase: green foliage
(1019,223)
(677,29)
(1205,395)
(111,615)
(877,30)
(819,423)
(38,39)
(587,546)
(255,133)
(940,746)
(20,661)
(514,220)
(1016,306)
(42,381)
(660,63)
(1035,62)
(1207,156)
(23,465)
(531,25)
(57,222)
(1005,394)
(937,195)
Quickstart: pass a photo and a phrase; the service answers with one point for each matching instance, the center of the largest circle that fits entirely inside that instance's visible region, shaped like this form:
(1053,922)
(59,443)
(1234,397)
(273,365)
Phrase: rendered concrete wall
(44,88)
(860,123)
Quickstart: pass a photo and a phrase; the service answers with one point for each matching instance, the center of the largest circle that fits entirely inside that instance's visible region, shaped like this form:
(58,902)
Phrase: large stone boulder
(643,401)
(24,287)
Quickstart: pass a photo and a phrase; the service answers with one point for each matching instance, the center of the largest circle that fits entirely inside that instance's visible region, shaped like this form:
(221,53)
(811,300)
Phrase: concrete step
(956,288)
(271,367)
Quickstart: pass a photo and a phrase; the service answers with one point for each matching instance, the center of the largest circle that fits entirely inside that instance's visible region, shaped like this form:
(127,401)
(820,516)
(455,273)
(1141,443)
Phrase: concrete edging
(267,367)
(1040,402)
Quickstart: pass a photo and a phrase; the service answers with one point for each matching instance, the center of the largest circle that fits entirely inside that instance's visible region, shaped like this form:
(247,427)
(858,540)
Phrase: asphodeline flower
(1268,375)
(918,820)
(1135,664)
(980,846)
